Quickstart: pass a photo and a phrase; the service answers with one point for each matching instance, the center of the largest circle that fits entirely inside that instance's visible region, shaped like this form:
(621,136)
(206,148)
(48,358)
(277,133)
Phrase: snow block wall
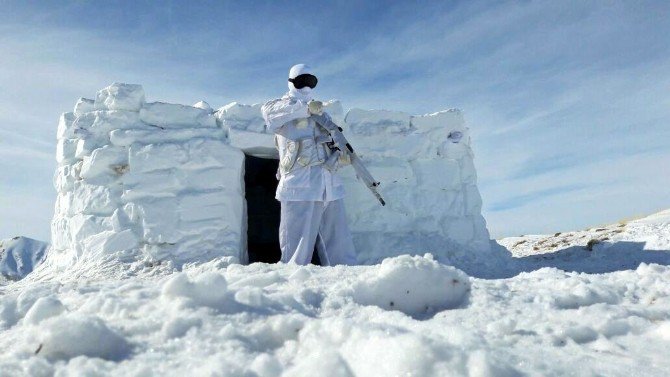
(166,181)
(156,179)
(425,166)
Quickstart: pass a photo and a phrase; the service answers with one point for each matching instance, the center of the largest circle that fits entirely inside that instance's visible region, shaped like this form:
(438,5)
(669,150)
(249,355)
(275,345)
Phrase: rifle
(339,144)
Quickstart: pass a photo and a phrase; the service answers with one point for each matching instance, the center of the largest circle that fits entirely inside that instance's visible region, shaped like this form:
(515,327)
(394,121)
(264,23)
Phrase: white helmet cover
(305,93)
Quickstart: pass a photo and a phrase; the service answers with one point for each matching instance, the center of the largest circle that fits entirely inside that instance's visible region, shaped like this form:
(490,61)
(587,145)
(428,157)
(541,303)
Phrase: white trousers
(306,223)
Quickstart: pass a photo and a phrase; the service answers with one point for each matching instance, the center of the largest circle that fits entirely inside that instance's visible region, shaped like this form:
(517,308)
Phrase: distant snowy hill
(19,255)
(600,249)
(536,308)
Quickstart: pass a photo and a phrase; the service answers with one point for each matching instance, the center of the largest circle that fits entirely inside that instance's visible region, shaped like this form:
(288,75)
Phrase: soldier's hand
(315,107)
(344,159)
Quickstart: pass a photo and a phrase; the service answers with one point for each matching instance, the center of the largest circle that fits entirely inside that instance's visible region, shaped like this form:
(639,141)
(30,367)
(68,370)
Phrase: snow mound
(43,308)
(414,285)
(69,336)
(208,289)
(19,256)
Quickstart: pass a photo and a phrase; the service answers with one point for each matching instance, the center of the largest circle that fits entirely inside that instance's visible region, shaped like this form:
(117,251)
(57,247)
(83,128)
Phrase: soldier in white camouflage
(311,194)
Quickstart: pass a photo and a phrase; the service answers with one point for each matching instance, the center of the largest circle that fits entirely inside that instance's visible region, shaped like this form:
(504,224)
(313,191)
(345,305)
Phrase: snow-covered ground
(607,312)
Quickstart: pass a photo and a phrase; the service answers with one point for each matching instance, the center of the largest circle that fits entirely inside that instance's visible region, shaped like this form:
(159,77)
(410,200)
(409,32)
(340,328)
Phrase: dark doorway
(263,210)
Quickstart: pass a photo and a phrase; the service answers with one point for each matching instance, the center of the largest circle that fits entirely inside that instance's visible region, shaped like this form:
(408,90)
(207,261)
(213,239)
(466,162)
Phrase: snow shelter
(162,181)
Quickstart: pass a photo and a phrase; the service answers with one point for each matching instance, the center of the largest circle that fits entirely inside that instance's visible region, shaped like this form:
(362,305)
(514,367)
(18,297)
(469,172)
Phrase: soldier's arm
(278,112)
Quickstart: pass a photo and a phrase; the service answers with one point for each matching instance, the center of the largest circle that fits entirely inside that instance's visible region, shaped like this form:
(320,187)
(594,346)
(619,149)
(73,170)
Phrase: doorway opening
(263,210)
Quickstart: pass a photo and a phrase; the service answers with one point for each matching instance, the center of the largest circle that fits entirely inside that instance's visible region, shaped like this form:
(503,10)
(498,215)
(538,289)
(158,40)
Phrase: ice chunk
(84,105)
(168,115)
(119,96)
(414,285)
(85,121)
(106,121)
(65,151)
(64,178)
(88,143)
(104,163)
(69,336)
(241,117)
(84,226)
(65,127)
(93,199)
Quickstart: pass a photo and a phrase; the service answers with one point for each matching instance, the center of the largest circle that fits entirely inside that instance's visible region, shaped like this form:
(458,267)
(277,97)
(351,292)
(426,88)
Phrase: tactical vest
(307,151)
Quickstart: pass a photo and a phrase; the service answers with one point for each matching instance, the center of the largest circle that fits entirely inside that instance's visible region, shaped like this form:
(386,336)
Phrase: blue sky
(568,101)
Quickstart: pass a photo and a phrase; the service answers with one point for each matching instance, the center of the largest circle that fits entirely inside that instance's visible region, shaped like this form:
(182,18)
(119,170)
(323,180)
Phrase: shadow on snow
(605,257)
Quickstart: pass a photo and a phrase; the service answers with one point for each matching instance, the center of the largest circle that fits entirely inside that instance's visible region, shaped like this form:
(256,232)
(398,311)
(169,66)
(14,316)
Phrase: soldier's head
(301,81)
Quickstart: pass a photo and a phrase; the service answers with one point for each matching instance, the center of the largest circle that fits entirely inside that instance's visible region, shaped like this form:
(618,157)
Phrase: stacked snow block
(166,181)
(245,128)
(137,179)
(425,166)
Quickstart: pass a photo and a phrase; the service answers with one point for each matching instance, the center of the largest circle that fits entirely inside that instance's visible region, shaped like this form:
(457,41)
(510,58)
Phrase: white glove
(315,107)
(344,159)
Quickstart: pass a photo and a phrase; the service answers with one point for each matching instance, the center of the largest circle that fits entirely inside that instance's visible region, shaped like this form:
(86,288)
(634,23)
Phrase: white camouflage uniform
(311,196)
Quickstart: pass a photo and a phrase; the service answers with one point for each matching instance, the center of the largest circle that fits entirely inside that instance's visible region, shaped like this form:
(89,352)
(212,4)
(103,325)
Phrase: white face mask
(301,94)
